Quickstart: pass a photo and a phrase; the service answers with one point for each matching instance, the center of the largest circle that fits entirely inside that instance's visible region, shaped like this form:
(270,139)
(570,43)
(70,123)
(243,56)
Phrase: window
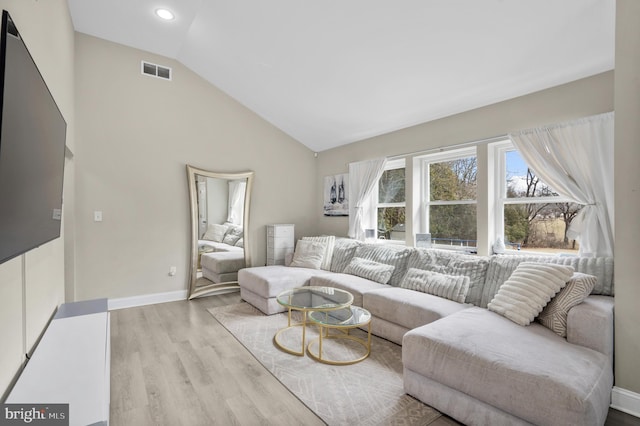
(449,206)
(391,202)
(530,214)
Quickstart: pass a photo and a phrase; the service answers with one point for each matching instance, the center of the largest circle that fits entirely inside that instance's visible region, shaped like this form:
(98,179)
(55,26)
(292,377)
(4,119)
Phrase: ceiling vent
(155,70)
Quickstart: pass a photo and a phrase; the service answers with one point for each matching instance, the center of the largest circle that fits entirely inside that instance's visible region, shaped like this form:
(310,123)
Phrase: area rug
(366,393)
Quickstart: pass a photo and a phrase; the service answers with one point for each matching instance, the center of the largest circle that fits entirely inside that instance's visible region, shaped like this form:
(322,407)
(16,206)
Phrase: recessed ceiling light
(165,14)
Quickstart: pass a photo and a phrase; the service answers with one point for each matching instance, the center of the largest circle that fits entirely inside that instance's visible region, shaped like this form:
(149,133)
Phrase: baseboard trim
(147,299)
(625,401)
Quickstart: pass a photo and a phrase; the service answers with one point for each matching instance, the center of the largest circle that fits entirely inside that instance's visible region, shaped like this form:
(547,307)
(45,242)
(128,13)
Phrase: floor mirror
(220,246)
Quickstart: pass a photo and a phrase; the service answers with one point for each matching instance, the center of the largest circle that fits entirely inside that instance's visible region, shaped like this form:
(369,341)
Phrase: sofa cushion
(215,232)
(357,286)
(369,269)
(329,243)
(308,254)
(530,372)
(453,263)
(408,308)
(222,262)
(343,251)
(554,315)
(501,268)
(452,287)
(531,286)
(389,254)
(269,281)
(234,233)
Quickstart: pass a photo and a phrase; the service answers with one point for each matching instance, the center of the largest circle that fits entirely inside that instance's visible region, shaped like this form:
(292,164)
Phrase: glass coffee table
(307,299)
(343,321)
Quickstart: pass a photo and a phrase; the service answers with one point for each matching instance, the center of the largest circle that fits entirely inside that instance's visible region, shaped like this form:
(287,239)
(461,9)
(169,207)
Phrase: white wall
(135,135)
(33,285)
(627,197)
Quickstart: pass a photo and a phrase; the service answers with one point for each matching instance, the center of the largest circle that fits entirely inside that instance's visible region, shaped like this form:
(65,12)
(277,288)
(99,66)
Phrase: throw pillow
(369,269)
(234,233)
(329,242)
(554,315)
(530,287)
(452,287)
(308,254)
(215,233)
(240,243)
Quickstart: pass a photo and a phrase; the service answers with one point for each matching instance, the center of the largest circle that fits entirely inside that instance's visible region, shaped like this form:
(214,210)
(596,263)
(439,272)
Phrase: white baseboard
(147,299)
(625,401)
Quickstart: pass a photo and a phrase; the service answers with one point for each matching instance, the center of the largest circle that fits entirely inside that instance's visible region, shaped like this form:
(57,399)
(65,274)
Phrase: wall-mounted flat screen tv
(32,150)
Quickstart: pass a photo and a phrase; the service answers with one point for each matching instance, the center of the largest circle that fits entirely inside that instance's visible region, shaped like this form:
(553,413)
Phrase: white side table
(280,241)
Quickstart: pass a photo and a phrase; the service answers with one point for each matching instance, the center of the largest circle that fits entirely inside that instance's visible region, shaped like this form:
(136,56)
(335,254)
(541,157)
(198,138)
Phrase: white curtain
(237,189)
(363,177)
(576,160)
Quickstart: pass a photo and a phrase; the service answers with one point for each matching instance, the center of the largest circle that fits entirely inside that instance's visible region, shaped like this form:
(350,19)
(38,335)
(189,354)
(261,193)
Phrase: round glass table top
(315,298)
(351,316)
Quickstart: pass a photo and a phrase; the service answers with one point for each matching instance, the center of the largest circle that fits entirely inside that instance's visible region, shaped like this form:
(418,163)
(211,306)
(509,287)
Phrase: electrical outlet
(172,271)
(97,216)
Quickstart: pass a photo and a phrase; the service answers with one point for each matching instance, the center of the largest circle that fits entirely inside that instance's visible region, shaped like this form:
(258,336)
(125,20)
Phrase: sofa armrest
(590,324)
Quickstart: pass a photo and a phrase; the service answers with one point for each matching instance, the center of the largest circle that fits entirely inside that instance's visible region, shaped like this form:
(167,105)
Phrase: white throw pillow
(329,242)
(215,232)
(452,287)
(529,288)
(308,254)
(369,269)
(554,315)
(234,233)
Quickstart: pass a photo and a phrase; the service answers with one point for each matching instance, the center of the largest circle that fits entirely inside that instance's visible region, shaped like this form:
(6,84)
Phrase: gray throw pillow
(374,271)
(452,287)
(554,315)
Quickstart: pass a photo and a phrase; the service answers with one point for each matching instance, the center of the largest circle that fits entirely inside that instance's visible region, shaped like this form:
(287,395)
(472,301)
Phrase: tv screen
(32,150)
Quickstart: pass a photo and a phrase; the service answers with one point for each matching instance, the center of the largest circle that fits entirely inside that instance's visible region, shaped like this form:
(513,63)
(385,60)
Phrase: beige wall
(135,135)
(578,99)
(32,285)
(627,224)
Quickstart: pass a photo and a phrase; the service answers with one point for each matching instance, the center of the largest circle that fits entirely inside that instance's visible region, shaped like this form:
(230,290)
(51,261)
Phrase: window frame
(425,182)
(500,150)
(399,163)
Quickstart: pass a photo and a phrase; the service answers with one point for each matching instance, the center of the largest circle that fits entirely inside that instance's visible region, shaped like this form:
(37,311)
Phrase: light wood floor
(174,364)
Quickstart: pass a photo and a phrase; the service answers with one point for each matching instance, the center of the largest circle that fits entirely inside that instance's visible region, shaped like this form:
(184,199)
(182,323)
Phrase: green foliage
(516,223)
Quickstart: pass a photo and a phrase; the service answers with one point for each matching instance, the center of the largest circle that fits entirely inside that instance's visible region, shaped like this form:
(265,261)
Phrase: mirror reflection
(219,216)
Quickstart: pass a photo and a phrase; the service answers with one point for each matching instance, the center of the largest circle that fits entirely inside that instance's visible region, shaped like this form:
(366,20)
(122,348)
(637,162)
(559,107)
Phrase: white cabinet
(71,364)
(280,241)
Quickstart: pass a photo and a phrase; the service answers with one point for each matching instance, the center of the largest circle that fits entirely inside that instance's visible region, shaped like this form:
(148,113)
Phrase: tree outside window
(450,210)
(535,216)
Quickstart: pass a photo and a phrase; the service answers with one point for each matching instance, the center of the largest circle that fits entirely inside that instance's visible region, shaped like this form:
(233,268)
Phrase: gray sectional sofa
(459,357)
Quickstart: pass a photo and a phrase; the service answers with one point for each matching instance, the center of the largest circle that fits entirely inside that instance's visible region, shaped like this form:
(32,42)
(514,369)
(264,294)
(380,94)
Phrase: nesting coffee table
(330,309)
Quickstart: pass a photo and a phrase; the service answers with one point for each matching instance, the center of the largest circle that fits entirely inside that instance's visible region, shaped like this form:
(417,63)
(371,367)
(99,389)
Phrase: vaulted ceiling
(333,72)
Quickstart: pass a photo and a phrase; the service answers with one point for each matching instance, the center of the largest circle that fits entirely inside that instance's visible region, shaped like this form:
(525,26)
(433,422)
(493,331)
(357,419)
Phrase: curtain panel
(576,160)
(363,177)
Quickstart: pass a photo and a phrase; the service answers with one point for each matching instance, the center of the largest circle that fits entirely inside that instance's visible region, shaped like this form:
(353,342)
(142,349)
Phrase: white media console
(71,364)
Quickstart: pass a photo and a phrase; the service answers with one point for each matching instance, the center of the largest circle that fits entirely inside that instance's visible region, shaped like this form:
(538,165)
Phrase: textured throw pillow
(554,315)
(308,254)
(530,287)
(234,233)
(215,233)
(329,242)
(374,271)
(452,287)
(240,243)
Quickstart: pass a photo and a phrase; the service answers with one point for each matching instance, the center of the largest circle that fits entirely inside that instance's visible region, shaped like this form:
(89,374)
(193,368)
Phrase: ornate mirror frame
(196,290)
